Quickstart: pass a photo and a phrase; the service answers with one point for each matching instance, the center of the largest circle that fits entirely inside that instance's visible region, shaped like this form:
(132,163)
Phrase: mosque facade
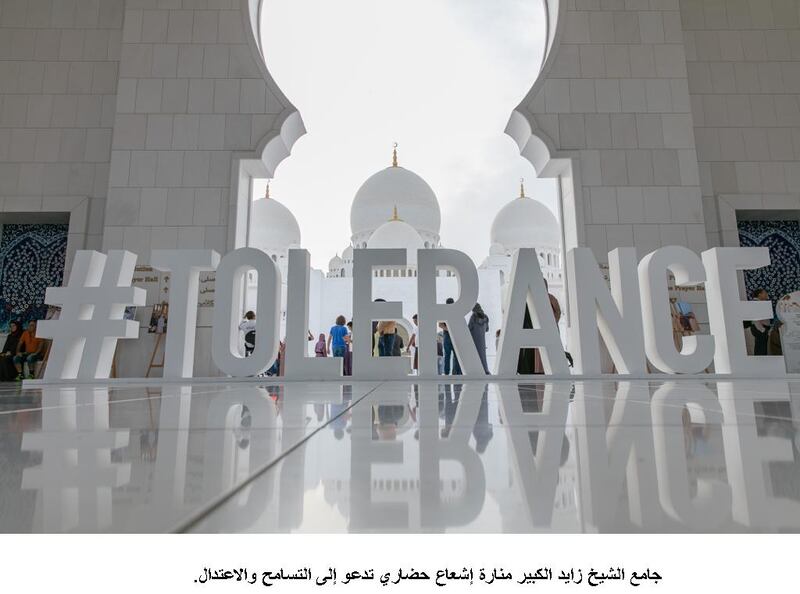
(662,123)
(396,208)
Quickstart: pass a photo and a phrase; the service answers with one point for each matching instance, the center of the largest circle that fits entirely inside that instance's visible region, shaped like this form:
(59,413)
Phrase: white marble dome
(526,223)
(397,233)
(273,227)
(335,263)
(395,186)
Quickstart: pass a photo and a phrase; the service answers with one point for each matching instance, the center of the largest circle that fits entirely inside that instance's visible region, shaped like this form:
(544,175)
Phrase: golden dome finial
(266,193)
(522,187)
(395,216)
(394,155)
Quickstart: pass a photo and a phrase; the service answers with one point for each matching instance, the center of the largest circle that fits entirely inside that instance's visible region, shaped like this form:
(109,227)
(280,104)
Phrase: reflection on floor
(599,456)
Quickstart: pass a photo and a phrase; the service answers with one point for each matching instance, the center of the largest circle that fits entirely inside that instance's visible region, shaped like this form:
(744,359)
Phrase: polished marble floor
(594,456)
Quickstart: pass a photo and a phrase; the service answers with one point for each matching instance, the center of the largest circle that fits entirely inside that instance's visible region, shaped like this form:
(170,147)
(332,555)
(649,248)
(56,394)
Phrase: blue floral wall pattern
(31,259)
(783,240)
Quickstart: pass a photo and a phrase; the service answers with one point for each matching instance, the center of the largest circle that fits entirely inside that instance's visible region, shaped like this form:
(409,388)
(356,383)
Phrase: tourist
(478,327)
(412,343)
(760,329)
(7,370)
(320,350)
(387,333)
(397,347)
(338,338)
(530,361)
(449,351)
(348,352)
(248,327)
(29,350)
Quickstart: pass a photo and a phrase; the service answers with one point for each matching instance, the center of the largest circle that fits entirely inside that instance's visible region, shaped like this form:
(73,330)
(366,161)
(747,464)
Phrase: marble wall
(743,62)
(614,101)
(193,93)
(59,66)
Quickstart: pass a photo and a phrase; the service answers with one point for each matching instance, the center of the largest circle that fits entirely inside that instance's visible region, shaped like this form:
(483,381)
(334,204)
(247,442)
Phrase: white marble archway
(272,148)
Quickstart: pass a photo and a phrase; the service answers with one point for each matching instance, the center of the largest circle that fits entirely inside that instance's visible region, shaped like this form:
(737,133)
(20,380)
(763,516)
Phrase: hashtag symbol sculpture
(76,478)
(91,321)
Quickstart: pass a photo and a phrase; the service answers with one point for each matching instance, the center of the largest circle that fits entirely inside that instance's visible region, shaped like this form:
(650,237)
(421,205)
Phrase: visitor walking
(412,343)
(387,333)
(397,347)
(320,350)
(348,352)
(449,351)
(530,361)
(338,338)
(7,370)
(478,327)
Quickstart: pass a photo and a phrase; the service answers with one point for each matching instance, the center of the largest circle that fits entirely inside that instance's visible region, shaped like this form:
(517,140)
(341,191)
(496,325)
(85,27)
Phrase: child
(320,350)
(248,326)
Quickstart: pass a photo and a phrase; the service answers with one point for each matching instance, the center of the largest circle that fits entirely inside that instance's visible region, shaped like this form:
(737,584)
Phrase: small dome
(273,226)
(395,186)
(397,234)
(347,254)
(335,263)
(525,223)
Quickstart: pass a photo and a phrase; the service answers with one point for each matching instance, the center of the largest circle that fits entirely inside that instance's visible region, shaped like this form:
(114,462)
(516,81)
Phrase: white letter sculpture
(697,351)
(91,320)
(184,267)
(431,312)
(726,311)
(297,363)
(365,311)
(711,505)
(617,314)
(527,288)
(225,340)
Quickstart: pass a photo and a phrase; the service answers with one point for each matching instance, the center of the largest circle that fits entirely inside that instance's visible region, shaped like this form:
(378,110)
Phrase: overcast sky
(440,77)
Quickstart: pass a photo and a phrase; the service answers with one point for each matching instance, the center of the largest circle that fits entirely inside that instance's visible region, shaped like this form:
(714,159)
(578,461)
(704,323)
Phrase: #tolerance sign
(632,315)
